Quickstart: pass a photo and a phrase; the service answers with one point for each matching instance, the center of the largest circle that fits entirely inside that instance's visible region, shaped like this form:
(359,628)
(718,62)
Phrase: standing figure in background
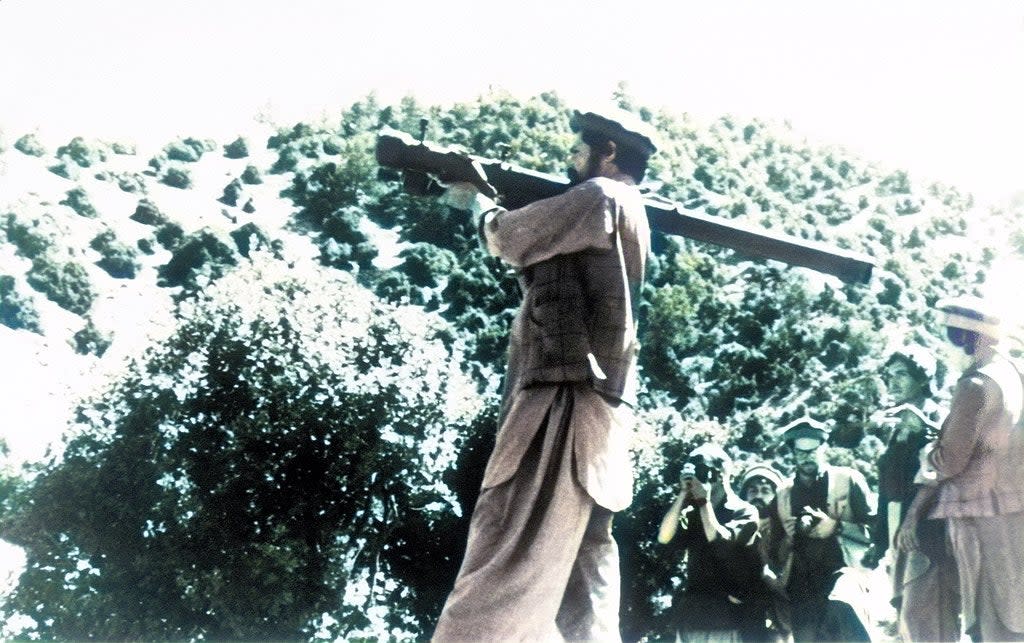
(821,508)
(979,464)
(923,572)
(540,561)
(718,535)
(758,486)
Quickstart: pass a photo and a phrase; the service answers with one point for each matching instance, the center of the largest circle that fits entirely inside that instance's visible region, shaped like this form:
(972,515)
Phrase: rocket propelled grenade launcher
(421,162)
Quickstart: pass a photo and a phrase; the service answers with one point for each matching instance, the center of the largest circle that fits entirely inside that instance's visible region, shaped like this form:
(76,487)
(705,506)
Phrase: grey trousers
(540,562)
(989,554)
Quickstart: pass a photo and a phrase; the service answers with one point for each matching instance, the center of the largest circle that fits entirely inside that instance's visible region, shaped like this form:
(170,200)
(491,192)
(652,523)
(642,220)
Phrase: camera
(699,472)
(806,522)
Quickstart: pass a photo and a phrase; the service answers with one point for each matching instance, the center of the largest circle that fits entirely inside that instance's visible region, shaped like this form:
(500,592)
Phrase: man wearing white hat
(979,463)
(540,562)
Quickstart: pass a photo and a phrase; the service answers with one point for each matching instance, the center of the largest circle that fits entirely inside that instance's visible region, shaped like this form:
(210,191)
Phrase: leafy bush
(287,161)
(188,150)
(177,177)
(170,235)
(16,309)
(251,175)
(78,200)
(119,260)
(237,149)
(29,144)
(118,147)
(148,213)
(66,283)
(30,239)
(89,340)
(277,452)
(65,170)
(198,259)
(82,153)
(232,191)
(131,182)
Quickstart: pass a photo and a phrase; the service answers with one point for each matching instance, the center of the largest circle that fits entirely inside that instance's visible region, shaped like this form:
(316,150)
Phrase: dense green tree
(246,477)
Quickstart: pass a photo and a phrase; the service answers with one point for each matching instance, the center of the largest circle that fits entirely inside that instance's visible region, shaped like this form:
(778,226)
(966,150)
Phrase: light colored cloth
(601,435)
(926,591)
(979,457)
(929,597)
(990,561)
(540,562)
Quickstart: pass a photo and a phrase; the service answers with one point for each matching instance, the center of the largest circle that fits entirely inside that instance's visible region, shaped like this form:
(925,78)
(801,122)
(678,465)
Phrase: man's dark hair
(627,159)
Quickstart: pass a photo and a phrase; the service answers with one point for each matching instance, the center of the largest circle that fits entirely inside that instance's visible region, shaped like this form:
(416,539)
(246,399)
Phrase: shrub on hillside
(200,258)
(65,170)
(78,200)
(250,237)
(29,238)
(66,283)
(131,182)
(29,144)
(17,310)
(251,175)
(188,150)
(90,340)
(170,235)
(231,193)
(118,147)
(82,153)
(148,213)
(237,149)
(287,161)
(333,145)
(118,259)
(284,136)
(177,177)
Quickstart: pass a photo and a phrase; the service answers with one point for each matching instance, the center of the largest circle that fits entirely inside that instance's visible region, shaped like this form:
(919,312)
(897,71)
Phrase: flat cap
(971,313)
(805,427)
(625,128)
(761,470)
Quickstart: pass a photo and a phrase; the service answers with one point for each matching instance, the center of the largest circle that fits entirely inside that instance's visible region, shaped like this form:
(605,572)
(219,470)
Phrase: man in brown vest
(540,560)
(824,510)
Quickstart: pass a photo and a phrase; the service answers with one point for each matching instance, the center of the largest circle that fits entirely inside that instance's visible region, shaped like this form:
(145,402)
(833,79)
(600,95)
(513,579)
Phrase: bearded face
(759,493)
(583,164)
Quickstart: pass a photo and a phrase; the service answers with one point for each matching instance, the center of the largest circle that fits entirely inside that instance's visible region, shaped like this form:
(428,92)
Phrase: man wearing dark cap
(540,561)
(823,508)
(718,537)
(979,465)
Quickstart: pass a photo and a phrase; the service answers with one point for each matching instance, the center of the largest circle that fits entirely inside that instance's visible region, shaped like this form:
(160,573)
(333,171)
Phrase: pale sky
(935,87)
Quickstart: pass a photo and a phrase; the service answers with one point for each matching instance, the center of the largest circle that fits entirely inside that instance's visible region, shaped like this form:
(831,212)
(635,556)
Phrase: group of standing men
(775,570)
(540,561)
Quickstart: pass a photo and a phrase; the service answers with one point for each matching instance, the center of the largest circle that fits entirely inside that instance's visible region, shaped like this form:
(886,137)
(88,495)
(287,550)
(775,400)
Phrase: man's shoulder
(740,508)
(839,471)
(608,188)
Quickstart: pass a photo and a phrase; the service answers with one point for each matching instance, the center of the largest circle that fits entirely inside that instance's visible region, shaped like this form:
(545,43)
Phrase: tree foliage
(243,479)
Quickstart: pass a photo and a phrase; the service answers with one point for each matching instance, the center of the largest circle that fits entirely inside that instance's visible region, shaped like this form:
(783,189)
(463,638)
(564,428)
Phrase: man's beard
(761,506)
(589,172)
(809,469)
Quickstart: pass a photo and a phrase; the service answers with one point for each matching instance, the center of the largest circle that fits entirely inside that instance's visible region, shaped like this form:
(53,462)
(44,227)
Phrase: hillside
(179,311)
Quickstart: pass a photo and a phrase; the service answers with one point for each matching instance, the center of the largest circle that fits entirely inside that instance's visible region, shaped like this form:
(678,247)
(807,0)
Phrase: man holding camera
(719,534)
(824,510)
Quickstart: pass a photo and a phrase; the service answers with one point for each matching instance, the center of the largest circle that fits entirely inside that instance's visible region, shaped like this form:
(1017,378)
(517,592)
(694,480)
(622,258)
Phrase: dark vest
(579,313)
